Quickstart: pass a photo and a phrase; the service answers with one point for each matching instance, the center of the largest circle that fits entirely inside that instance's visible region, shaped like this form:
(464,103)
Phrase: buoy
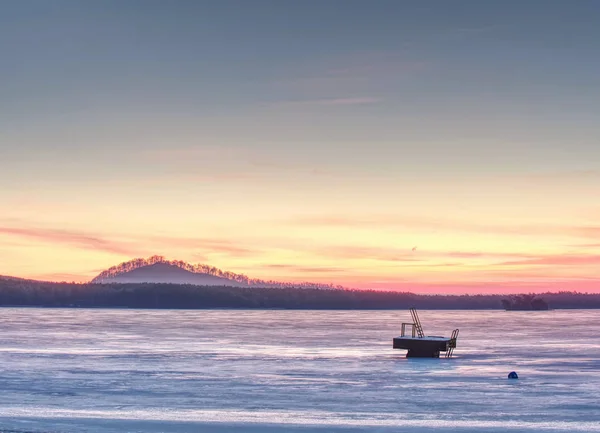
(513,375)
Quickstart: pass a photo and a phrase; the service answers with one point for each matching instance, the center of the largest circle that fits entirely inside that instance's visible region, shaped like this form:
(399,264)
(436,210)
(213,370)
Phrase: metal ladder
(417,322)
(452,343)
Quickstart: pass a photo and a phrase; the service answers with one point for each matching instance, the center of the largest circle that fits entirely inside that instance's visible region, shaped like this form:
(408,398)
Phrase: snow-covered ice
(72,370)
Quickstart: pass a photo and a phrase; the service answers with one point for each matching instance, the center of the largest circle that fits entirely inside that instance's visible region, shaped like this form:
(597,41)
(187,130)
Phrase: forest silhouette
(20,292)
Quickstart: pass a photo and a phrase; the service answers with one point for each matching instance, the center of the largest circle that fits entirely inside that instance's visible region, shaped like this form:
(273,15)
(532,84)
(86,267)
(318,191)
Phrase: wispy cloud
(465,254)
(199,152)
(561,176)
(368,252)
(305,269)
(410,256)
(524,273)
(481,254)
(352,79)
(133,245)
(216,163)
(68,277)
(357,70)
(428,223)
(363,100)
(206,246)
(588,231)
(216,177)
(72,238)
(486,286)
(477,29)
(556,260)
(593,245)
(415,222)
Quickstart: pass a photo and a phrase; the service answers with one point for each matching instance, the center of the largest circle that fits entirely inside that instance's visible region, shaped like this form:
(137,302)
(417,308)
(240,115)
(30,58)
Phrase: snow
(222,371)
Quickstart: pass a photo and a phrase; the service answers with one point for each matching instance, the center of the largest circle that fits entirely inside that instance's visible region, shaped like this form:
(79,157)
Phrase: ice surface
(70,370)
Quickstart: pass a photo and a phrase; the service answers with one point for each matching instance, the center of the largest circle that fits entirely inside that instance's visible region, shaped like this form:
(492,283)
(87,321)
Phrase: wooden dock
(421,346)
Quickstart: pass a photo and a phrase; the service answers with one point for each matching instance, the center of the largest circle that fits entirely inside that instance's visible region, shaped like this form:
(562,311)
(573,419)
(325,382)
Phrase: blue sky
(433,67)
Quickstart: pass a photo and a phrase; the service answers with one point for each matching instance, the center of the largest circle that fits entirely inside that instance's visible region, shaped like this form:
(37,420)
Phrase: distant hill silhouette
(168,273)
(158,269)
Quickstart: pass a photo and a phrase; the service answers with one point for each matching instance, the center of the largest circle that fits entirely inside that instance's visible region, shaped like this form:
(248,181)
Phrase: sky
(445,146)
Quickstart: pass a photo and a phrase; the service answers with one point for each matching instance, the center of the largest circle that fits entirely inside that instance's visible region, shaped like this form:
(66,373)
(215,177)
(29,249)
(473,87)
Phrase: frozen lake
(71,370)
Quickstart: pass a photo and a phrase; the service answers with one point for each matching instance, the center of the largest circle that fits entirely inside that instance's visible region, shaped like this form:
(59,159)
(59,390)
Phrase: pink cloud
(133,247)
(306,269)
(206,245)
(525,274)
(588,231)
(483,286)
(68,237)
(557,260)
(67,277)
(481,255)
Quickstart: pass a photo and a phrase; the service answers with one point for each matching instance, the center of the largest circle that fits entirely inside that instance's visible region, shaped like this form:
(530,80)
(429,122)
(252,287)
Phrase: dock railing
(403,329)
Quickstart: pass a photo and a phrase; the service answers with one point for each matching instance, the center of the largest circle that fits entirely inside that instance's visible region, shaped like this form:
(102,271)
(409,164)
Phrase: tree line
(17,292)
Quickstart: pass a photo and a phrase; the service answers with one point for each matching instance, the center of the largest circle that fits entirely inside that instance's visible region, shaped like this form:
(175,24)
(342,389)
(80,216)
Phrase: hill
(158,269)
(167,273)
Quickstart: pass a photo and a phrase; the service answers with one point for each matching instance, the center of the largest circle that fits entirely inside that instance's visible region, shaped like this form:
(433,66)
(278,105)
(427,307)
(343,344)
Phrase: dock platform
(421,346)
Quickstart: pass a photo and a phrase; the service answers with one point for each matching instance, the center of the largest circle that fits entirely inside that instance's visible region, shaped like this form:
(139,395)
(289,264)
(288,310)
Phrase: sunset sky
(431,146)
